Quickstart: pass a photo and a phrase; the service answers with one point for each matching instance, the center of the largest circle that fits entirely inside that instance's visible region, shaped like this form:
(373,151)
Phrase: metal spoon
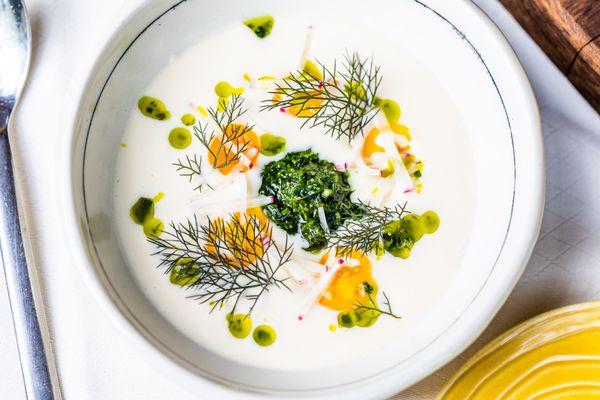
(15,46)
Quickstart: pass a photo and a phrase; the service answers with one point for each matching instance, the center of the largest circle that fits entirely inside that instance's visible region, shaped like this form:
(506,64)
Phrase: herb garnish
(365,234)
(224,148)
(301,183)
(343,102)
(365,314)
(372,304)
(234,257)
(228,146)
(191,167)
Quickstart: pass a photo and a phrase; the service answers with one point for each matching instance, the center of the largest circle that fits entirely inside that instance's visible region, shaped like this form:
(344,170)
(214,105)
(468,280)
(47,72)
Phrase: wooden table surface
(569,32)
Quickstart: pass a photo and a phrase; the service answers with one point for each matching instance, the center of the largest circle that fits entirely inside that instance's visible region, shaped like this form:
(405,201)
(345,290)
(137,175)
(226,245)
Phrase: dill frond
(364,233)
(230,143)
(342,101)
(191,167)
(372,304)
(233,256)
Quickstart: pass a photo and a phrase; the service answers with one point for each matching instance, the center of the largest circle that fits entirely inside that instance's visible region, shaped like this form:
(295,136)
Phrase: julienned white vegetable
(232,196)
(321,286)
(323,219)
(401,175)
(305,272)
(307,46)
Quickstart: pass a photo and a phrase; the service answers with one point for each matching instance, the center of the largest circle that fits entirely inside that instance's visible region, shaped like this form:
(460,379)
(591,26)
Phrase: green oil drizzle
(239,325)
(224,90)
(159,196)
(188,119)
(180,138)
(431,222)
(313,70)
(362,317)
(357,318)
(391,110)
(264,335)
(185,272)
(261,26)
(399,237)
(153,228)
(142,213)
(153,108)
(271,145)
(142,210)
(202,111)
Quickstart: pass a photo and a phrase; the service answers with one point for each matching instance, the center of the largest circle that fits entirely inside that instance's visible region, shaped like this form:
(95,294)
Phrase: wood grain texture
(569,32)
(585,73)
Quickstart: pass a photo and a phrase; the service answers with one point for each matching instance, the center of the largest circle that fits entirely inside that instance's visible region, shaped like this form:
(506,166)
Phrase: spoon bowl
(15,45)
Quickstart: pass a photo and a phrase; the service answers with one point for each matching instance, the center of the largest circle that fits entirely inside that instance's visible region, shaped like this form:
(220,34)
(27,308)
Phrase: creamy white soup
(335,207)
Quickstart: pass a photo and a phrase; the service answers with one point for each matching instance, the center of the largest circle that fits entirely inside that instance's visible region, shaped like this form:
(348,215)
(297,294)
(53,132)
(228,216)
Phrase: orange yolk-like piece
(237,135)
(251,246)
(258,213)
(305,105)
(371,147)
(347,287)
(401,130)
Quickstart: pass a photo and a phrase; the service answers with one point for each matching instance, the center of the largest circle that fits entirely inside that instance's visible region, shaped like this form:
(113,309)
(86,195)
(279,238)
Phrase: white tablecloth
(95,362)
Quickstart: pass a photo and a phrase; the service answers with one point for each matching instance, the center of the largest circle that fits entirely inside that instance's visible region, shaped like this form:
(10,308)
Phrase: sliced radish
(320,288)
(307,46)
(323,219)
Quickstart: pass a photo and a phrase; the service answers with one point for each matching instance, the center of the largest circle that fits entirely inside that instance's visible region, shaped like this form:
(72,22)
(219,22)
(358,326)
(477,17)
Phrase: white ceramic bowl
(476,66)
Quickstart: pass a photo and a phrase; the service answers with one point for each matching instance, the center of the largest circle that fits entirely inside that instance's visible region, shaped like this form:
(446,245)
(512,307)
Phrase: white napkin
(93,359)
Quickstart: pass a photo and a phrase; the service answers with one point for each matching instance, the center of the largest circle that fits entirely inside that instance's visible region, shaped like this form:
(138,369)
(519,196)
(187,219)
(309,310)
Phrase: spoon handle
(30,343)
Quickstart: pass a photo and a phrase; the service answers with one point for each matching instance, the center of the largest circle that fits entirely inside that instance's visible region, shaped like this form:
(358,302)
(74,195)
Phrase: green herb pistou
(301,182)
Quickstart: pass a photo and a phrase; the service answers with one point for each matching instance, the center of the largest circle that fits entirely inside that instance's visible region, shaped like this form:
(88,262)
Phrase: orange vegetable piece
(251,245)
(346,288)
(305,105)
(237,135)
(370,146)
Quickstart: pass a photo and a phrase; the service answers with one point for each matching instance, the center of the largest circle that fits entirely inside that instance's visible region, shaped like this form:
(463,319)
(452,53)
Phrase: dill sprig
(191,167)
(343,101)
(235,257)
(372,304)
(365,233)
(231,143)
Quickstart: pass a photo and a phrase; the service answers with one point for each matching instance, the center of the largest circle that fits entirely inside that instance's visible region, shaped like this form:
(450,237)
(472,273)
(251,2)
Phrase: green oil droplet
(271,145)
(159,196)
(153,108)
(142,210)
(185,272)
(264,335)
(313,70)
(431,221)
(153,228)
(188,119)
(240,325)
(391,110)
(180,138)
(224,89)
(261,26)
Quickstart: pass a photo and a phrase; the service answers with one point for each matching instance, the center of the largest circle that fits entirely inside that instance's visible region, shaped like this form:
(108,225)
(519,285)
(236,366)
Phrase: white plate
(458,44)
